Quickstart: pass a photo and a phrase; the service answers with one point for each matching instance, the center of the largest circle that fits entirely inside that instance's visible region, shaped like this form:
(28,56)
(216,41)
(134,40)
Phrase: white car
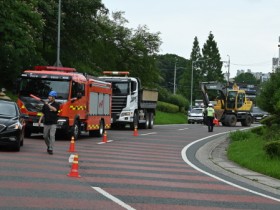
(196,115)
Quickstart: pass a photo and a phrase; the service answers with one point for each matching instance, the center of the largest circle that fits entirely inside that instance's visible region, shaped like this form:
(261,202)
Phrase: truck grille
(118,103)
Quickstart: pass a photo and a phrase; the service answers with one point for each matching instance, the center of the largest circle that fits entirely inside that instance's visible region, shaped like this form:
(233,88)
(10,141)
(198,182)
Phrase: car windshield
(257,110)
(8,109)
(196,111)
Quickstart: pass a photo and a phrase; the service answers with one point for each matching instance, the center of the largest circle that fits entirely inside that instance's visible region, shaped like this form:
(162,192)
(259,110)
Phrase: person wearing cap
(49,114)
(210,113)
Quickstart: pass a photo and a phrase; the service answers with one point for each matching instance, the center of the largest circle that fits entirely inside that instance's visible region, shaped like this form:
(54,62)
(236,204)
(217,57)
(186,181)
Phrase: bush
(271,120)
(180,101)
(258,130)
(166,107)
(272,149)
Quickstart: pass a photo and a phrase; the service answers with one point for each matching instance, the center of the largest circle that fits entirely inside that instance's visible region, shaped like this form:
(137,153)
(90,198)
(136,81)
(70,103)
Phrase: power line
(252,64)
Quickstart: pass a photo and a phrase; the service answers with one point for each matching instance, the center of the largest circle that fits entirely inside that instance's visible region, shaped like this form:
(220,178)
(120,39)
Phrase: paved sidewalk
(213,155)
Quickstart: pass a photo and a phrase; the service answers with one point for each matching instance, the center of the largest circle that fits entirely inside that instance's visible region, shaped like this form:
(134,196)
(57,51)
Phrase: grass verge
(246,149)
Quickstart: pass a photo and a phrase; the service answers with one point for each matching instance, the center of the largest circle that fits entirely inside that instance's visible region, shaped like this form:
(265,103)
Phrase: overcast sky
(246,30)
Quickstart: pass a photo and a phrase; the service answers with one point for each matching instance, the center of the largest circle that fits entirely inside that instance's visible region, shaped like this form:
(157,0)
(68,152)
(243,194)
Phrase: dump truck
(131,103)
(230,103)
(85,102)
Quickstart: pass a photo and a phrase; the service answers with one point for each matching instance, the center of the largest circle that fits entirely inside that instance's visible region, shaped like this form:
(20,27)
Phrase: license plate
(37,124)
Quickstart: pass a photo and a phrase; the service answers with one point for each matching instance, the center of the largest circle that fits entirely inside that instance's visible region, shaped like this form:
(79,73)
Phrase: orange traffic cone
(216,122)
(74,169)
(104,140)
(72,145)
(135,133)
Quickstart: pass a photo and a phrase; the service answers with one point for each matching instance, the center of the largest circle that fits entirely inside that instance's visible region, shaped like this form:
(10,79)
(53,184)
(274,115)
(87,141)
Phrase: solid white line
(145,134)
(184,156)
(113,198)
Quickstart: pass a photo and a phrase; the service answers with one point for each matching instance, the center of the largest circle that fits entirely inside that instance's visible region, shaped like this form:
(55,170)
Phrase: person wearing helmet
(210,113)
(49,114)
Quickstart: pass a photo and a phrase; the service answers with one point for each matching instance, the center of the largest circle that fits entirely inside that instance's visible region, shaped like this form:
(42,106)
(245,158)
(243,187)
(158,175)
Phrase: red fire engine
(85,102)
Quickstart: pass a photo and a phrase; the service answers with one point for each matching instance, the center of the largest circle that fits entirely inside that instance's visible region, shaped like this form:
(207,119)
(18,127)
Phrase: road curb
(213,155)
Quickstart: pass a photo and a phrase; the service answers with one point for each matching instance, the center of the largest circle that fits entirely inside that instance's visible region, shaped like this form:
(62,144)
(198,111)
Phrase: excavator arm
(206,86)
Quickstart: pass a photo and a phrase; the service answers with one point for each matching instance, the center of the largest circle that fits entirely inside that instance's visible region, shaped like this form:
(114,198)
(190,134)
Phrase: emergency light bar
(54,68)
(116,73)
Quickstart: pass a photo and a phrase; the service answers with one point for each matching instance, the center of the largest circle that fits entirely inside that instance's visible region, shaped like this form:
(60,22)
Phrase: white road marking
(184,156)
(113,198)
(145,134)
(181,129)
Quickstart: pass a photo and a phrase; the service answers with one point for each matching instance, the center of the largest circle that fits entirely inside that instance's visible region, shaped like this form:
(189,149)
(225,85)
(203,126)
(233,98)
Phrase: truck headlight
(126,114)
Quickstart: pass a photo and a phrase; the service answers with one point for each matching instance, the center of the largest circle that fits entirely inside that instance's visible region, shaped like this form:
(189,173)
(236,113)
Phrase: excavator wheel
(247,121)
(230,120)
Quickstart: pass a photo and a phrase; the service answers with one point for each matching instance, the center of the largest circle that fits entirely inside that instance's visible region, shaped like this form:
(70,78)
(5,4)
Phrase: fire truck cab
(85,102)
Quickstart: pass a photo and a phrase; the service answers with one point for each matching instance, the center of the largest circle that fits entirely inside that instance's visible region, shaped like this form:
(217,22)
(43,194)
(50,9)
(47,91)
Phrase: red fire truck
(85,102)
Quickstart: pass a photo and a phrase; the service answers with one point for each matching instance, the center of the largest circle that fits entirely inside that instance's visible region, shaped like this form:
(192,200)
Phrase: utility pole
(174,83)
(228,68)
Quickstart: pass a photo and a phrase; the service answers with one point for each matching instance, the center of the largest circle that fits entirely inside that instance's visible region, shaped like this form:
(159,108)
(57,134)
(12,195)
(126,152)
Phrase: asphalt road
(159,169)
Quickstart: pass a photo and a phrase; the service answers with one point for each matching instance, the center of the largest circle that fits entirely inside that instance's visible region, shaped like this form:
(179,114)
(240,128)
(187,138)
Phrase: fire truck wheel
(99,132)
(151,120)
(76,130)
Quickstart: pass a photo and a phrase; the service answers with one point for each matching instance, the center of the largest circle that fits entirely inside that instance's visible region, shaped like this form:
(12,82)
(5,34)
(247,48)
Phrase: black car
(258,114)
(12,124)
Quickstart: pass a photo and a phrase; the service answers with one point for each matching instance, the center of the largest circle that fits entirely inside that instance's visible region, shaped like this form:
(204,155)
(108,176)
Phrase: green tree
(195,72)
(212,65)
(247,78)
(269,94)
(20,28)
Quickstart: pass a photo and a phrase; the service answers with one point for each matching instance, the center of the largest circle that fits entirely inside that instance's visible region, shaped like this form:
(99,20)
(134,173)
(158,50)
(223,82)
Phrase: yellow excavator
(230,103)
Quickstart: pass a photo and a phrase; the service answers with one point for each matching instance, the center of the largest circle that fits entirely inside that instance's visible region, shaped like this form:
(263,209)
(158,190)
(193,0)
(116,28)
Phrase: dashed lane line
(113,198)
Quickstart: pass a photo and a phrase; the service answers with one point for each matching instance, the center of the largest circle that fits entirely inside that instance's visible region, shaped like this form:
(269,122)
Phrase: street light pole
(174,83)
(228,68)
(58,63)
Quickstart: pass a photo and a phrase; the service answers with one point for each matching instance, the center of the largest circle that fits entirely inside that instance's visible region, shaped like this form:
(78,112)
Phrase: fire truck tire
(151,120)
(76,130)
(99,132)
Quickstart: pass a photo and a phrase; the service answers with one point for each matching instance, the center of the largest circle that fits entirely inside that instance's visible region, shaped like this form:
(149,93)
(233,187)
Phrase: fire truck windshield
(41,87)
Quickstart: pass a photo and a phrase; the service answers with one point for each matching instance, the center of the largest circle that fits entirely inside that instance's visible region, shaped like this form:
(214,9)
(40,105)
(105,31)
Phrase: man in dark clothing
(50,110)
(210,117)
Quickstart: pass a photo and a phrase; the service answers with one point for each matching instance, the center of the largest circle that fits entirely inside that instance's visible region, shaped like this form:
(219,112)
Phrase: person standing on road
(210,113)
(50,110)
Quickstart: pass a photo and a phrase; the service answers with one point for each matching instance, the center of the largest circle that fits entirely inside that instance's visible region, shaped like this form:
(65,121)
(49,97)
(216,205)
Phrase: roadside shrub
(271,133)
(167,107)
(240,135)
(271,120)
(180,101)
(272,149)
(258,130)
(164,94)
